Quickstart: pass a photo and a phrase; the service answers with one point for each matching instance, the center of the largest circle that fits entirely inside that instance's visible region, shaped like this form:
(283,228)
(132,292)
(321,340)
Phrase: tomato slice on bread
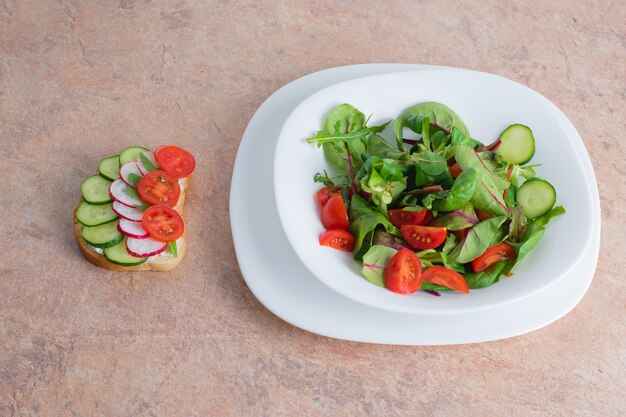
(337,239)
(163,223)
(423,237)
(398,217)
(492,255)
(335,214)
(446,277)
(404,272)
(175,161)
(157,187)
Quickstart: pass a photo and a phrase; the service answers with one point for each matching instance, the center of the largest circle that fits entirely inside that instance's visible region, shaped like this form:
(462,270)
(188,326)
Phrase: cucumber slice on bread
(95,190)
(94,215)
(102,236)
(109,168)
(119,255)
(131,153)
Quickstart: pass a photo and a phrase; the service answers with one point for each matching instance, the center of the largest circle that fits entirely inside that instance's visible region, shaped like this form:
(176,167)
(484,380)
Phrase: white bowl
(488,104)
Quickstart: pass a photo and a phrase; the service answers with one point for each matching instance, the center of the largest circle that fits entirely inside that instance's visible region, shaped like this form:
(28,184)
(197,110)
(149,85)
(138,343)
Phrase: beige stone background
(80,80)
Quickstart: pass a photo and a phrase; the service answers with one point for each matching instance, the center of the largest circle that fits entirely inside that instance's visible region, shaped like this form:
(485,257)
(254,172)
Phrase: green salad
(437,212)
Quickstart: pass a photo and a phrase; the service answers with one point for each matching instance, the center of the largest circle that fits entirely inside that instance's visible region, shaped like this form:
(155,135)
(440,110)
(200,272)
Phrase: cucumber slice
(119,255)
(103,236)
(536,196)
(517,144)
(95,190)
(94,215)
(109,168)
(131,153)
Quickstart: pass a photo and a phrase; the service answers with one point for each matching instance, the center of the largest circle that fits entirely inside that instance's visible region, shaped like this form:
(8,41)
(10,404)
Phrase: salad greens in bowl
(429,217)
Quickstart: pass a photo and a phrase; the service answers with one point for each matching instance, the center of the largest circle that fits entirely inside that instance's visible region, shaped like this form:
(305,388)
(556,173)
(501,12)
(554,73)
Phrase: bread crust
(162,264)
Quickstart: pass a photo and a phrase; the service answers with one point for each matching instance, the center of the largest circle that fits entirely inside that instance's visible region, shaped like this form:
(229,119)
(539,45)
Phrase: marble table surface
(80,80)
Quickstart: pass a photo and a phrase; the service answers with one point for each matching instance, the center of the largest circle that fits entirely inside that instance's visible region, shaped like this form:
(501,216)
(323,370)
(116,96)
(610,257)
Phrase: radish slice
(142,248)
(151,158)
(119,192)
(132,229)
(125,212)
(127,169)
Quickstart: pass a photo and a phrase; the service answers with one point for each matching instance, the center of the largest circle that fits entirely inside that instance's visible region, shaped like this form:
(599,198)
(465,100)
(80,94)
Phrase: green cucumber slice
(103,236)
(119,255)
(536,196)
(131,153)
(517,144)
(109,168)
(94,215)
(95,190)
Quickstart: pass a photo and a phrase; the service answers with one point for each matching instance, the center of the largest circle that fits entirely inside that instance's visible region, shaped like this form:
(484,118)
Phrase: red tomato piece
(446,277)
(157,187)
(399,217)
(163,223)
(175,161)
(455,170)
(404,272)
(334,214)
(492,255)
(423,237)
(428,218)
(325,193)
(337,239)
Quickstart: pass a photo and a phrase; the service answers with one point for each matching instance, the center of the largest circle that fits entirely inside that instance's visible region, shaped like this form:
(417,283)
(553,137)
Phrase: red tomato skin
(455,170)
(337,239)
(423,237)
(334,214)
(165,216)
(446,277)
(325,194)
(158,182)
(399,217)
(499,252)
(403,274)
(175,161)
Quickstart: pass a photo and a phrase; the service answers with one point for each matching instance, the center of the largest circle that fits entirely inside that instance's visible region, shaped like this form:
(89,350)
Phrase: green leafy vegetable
(363,222)
(172,248)
(146,163)
(482,236)
(133,179)
(374,263)
(460,194)
(460,219)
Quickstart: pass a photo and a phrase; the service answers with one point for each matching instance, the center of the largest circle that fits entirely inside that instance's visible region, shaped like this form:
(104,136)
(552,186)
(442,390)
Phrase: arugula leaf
(321,137)
(133,179)
(172,248)
(460,219)
(146,163)
(482,236)
(323,179)
(374,263)
(363,221)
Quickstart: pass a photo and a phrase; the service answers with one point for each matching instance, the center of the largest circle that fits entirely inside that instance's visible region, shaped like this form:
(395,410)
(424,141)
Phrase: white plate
(488,104)
(283,285)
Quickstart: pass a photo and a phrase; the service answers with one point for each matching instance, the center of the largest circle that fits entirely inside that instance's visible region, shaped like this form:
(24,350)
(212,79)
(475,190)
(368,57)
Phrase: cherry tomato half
(175,161)
(163,223)
(404,272)
(492,255)
(423,237)
(399,217)
(446,277)
(455,170)
(325,193)
(157,187)
(334,214)
(337,239)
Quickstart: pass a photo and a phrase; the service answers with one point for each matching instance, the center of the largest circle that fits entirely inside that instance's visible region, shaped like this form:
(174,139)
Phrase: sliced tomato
(446,277)
(337,239)
(399,217)
(175,161)
(404,272)
(334,214)
(455,170)
(157,187)
(325,193)
(492,255)
(423,237)
(428,218)
(163,223)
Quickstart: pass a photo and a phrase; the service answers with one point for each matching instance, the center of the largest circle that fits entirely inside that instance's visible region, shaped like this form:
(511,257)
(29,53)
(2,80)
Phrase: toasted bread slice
(163,262)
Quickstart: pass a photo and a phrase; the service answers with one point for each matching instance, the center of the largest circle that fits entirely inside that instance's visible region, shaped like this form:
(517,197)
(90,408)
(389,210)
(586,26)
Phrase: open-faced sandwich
(130,213)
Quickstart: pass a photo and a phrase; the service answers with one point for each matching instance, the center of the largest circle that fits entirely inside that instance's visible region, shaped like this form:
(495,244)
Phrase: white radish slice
(132,229)
(119,192)
(127,169)
(125,212)
(142,248)
(151,158)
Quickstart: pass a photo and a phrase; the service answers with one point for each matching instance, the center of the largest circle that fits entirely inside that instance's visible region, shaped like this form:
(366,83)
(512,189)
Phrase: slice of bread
(163,262)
